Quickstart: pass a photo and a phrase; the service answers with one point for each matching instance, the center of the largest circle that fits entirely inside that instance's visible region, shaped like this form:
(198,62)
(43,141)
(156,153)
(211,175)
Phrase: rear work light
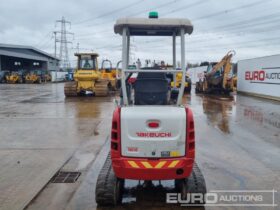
(115,133)
(190,134)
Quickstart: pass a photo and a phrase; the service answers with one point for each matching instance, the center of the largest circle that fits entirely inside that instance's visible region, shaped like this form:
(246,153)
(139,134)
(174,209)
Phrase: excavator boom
(217,79)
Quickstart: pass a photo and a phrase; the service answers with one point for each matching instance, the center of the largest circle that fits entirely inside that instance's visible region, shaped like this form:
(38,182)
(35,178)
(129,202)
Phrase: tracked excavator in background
(152,136)
(87,78)
(218,79)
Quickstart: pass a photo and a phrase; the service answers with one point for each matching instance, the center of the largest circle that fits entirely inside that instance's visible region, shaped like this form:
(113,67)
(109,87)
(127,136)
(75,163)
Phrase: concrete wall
(260,76)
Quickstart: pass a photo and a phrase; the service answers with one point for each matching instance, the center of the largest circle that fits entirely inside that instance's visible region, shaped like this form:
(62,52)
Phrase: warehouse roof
(26,52)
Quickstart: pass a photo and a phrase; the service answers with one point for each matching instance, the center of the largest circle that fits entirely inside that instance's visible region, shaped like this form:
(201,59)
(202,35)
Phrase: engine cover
(153,131)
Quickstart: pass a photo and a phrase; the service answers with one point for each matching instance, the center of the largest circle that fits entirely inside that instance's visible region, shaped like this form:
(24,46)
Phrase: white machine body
(153,131)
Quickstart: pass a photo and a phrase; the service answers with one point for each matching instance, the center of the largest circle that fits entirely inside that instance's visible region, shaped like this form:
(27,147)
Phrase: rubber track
(105,186)
(101,88)
(196,182)
(70,89)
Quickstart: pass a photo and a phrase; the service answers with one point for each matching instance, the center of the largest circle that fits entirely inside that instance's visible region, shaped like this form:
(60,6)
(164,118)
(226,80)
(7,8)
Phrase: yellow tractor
(87,77)
(14,77)
(109,73)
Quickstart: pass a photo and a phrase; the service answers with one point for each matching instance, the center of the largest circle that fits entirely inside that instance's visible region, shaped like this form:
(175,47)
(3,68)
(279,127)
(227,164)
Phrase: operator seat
(151,89)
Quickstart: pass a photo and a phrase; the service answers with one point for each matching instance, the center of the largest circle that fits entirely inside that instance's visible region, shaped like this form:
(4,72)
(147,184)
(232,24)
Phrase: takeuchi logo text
(261,75)
(154,134)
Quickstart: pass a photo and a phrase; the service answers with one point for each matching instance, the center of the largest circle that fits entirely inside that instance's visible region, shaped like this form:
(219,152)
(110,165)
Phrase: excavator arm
(226,63)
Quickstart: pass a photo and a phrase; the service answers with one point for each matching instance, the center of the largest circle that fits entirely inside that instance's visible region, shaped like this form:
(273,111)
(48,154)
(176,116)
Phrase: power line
(265,18)
(161,6)
(215,14)
(136,13)
(43,40)
(110,13)
(248,23)
(45,44)
(155,8)
(242,32)
(252,46)
(185,7)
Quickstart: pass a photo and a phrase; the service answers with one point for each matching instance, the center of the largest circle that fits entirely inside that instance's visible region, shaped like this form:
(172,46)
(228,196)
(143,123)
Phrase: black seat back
(151,89)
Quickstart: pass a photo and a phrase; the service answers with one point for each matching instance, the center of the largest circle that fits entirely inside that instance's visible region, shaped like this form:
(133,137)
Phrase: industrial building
(19,57)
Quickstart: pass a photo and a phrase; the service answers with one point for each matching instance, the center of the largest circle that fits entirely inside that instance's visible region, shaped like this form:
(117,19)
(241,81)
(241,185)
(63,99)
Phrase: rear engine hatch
(153,131)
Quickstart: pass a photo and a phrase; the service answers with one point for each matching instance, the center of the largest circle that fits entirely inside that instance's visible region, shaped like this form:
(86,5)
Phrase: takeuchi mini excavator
(219,78)
(152,136)
(87,78)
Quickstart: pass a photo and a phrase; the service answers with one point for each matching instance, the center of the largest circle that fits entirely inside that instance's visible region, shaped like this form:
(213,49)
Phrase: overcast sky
(251,28)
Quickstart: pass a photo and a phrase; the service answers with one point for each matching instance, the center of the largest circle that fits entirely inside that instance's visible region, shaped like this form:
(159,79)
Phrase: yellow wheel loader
(178,79)
(33,77)
(87,78)
(188,82)
(14,77)
(108,73)
(218,79)
(46,76)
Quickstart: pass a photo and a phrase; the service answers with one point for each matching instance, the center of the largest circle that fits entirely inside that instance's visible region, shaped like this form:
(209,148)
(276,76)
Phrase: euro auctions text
(261,198)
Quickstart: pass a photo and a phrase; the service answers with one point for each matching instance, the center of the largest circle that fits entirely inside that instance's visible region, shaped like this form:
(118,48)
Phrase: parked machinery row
(88,78)
(24,76)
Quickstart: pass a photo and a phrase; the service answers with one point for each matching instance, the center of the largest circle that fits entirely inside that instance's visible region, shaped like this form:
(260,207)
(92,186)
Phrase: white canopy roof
(153,26)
